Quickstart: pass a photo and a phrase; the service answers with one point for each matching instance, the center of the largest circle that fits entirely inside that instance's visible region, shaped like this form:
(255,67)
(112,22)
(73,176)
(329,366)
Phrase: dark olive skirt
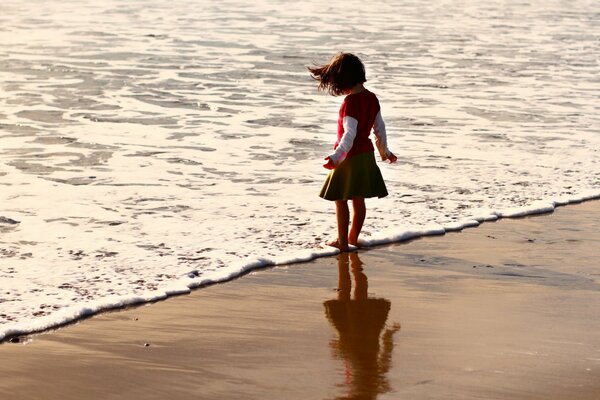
(356,176)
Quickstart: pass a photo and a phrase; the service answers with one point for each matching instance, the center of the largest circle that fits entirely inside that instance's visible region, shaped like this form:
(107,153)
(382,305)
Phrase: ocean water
(149,147)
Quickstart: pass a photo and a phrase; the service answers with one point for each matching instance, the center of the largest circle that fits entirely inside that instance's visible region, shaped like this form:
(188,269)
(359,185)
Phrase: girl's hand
(392,158)
(329,164)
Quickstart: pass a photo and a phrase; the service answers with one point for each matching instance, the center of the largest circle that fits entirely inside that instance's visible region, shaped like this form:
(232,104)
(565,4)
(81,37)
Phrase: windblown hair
(341,74)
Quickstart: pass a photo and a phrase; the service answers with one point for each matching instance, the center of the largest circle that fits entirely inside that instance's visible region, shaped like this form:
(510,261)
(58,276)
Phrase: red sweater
(363,107)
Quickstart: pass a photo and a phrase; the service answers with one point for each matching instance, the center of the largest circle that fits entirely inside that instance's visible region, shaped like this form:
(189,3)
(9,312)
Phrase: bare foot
(336,243)
(356,244)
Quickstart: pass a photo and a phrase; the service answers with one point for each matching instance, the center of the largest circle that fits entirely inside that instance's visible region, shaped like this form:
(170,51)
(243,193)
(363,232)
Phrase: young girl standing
(354,173)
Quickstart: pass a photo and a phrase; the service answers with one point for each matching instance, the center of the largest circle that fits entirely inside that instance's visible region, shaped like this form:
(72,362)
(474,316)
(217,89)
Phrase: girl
(354,174)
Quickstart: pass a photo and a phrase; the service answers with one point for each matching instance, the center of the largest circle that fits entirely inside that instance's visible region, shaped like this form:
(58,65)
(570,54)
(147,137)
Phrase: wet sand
(508,310)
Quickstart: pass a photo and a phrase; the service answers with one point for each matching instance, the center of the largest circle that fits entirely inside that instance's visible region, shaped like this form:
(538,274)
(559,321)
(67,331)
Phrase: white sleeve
(350,125)
(381,137)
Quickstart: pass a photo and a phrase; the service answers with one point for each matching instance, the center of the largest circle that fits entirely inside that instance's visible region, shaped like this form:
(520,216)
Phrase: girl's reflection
(359,321)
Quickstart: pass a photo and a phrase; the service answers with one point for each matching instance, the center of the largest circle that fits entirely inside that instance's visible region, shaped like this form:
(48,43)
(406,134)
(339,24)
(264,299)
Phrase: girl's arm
(350,125)
(381,138)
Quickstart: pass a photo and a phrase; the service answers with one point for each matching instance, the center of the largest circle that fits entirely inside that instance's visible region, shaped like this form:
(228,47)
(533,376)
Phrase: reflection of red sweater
(363,107)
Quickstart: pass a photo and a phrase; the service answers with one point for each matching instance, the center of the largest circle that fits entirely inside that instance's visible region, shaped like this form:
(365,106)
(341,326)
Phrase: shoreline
(509,310)
(72,315)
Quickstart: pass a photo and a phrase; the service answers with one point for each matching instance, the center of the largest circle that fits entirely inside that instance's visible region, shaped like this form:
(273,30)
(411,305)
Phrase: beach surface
(507,310)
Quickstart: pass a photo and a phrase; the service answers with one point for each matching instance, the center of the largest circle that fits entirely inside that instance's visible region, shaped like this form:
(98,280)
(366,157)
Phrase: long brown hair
(341,74)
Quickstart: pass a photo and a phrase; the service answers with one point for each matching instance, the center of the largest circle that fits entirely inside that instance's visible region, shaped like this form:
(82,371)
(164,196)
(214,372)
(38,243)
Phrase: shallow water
(151,146)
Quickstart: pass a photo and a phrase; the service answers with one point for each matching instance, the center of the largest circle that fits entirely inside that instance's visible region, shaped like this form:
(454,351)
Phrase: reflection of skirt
(356,176)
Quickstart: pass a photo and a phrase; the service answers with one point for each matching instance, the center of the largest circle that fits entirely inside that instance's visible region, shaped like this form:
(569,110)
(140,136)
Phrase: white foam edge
(191,280)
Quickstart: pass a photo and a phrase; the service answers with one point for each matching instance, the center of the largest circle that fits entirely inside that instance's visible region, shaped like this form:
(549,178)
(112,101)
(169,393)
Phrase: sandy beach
(508,310)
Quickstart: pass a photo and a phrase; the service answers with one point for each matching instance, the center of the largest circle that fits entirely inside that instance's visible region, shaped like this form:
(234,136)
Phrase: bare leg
(358,218)
(343,218)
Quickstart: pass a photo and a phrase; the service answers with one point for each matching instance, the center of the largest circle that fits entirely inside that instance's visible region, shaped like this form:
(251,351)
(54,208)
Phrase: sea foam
(192,281)
(151,149)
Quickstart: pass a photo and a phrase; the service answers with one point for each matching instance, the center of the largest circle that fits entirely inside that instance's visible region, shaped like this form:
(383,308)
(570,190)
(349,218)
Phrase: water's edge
(191,281)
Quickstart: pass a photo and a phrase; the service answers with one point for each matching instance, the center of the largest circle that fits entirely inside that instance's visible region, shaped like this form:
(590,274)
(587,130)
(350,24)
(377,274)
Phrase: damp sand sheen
(149,149)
